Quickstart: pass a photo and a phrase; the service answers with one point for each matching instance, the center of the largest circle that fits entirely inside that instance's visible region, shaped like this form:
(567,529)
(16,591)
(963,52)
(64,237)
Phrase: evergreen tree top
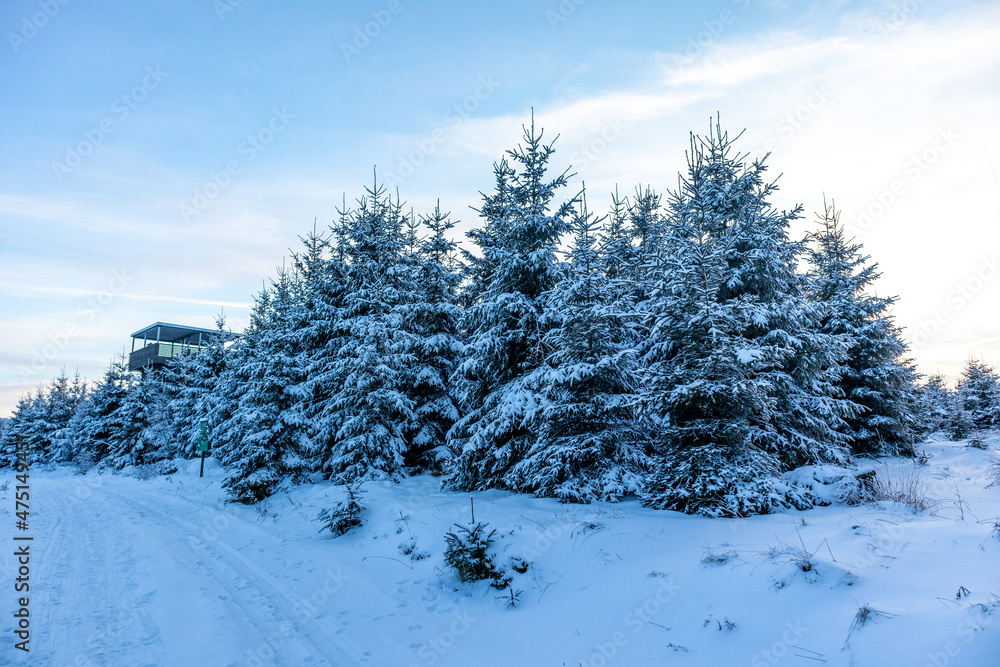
(517,215)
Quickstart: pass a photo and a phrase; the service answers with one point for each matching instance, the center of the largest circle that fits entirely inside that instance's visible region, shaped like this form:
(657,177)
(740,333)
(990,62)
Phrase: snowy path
(262,601)
(126,579)
(165,572)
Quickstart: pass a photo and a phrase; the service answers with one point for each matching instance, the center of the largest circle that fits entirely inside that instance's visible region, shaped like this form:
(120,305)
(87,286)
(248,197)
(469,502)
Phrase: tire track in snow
(240,592)
(46,599)
(238,575)
(79,559)
(129,629)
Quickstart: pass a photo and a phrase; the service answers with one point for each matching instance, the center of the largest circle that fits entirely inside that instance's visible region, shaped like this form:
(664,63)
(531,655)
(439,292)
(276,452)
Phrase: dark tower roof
(160,342)
(171,333)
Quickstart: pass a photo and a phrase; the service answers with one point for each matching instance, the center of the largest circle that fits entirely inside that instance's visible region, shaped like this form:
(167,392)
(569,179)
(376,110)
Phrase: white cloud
(848,114)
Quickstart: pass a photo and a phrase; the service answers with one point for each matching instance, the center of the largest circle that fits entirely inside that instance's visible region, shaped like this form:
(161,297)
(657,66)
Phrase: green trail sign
(203,438)
(203,445)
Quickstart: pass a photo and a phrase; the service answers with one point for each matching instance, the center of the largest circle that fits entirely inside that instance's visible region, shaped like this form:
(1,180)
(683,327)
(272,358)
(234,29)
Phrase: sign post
(203,445)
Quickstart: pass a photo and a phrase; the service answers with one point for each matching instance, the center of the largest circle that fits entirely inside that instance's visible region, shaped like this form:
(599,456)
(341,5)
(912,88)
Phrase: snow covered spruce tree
(143,425)
(103,423)
(22,430)
(432,319)
(227,423)
(738,380)
(39,428)
(43,422)
(587,446)
(646,226)
(616,247)
(631,237)
(192,379)
(504,318)
(262,440)
(63,398)
(322,289)
(5,424)
(371,413)
(935,402)
(978,391)
(875,375)
(959,424)
(709,410)
(479,269)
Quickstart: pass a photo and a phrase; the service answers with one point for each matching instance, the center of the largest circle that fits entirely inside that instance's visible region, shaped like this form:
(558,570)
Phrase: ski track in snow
(261,601)
(111,628)
(106,542)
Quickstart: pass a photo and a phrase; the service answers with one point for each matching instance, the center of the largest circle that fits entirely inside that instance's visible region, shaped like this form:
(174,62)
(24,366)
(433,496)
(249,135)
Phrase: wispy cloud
(63,292)
(844,114)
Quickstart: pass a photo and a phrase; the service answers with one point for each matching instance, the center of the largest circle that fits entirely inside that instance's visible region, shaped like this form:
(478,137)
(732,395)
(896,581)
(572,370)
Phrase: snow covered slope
(164,572)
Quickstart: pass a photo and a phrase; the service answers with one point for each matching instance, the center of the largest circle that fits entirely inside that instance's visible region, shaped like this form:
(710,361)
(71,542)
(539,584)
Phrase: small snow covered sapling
(467,553)
(346,514)
(409,548)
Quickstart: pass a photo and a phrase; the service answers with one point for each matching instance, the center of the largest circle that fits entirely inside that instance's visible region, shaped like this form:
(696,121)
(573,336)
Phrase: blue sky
(161,158)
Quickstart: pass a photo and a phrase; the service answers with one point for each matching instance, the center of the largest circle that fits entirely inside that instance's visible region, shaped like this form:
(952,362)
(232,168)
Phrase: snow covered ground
(164,572)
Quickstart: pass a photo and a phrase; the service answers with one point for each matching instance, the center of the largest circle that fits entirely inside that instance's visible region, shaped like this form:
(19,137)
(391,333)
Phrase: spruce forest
(681,347)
